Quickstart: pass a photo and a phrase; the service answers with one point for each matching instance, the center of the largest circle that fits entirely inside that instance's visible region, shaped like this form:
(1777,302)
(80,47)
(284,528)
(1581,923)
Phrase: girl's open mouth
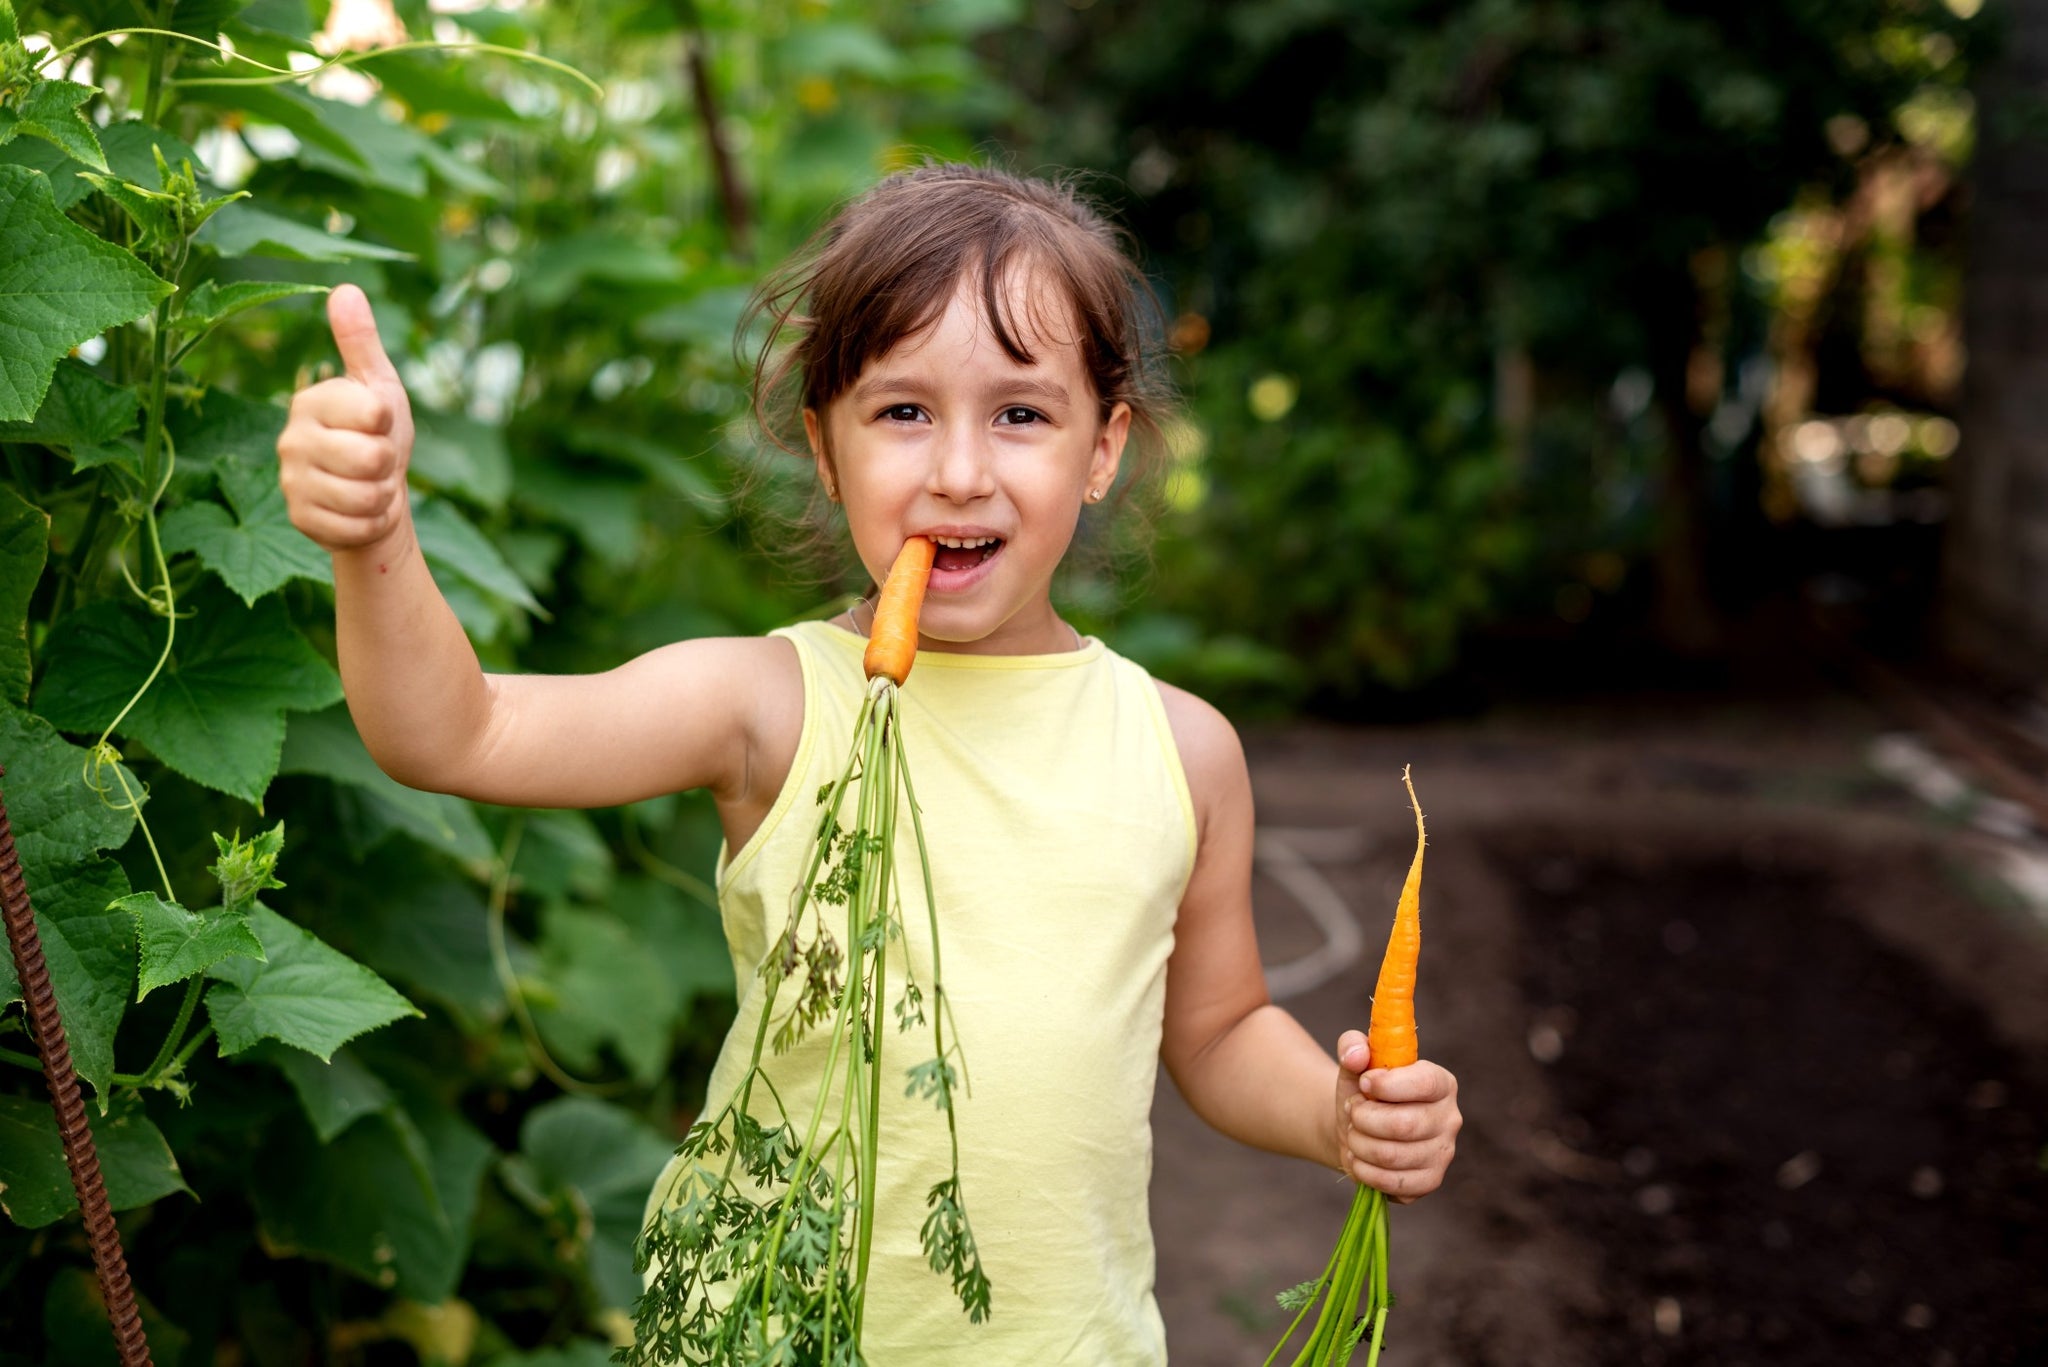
(961,555)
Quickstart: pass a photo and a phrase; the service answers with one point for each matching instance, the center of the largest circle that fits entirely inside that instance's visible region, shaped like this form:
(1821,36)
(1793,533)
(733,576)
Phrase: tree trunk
(1687,622)
(1994,601)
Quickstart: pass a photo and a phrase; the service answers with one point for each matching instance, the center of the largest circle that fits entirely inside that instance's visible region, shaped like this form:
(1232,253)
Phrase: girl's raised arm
(684,716)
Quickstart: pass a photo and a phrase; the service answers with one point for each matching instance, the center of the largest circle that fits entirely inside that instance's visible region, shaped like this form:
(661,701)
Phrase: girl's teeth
(965,543)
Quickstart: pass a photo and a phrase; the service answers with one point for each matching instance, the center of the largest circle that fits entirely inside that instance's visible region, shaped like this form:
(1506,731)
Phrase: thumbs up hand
(343,452)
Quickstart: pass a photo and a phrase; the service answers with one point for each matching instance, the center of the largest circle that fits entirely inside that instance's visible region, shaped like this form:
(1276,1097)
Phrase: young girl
(966,353)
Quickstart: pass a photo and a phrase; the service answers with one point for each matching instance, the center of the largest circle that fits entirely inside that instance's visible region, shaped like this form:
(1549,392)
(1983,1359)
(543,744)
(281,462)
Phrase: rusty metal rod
(79,1154)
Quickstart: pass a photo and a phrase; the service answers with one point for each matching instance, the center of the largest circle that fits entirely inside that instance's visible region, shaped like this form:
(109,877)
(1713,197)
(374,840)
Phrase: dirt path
(1754,1061)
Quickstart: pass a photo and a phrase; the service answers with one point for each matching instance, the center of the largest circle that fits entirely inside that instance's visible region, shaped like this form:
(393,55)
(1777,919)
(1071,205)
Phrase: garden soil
(1752,1052)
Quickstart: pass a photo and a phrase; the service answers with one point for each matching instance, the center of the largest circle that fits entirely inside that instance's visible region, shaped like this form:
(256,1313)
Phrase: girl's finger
(354,455)
(1419,1081)
(1402,1185)
(1403,1124)
(348,497)
(1380,1153)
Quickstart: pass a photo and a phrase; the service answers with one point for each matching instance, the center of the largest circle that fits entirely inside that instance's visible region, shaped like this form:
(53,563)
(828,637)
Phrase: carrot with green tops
(892,637)
(776,1207)
(1358,1267)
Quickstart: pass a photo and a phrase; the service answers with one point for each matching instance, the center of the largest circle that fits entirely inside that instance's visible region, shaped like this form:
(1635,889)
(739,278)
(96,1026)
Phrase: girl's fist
(342,456)
(1396,1127)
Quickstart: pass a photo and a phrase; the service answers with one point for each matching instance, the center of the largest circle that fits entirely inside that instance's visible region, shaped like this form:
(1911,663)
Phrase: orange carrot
(1391,1037)
(892,639)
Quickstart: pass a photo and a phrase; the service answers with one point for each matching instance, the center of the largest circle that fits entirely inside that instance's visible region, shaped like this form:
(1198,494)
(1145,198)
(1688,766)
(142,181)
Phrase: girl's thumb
(355,336)
(1353,1057)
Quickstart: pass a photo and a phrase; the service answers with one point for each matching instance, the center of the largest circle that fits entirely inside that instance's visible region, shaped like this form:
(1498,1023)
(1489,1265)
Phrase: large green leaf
(173,944)
(225,428)
(81,414)
(59,826)
(431,932)
(35,1185)
(562,853)
(833,49)
(90,948)
(606,512)
(390,1199)
(57,817)
(680,933)
(305,993)
(205,18)
(432,83)
(286,18)
(580,1353)
(336,1093)
(49,110)
(59,286)
(239,230)
(24,545)
(597,986)
(309,119)
(212,303)
(394,155)
(255,549)
(216,713)
(462,456)
(563,265)
(75,1324)
(130,148)
(326,744)
(610,1158)
(33,154)
(452,544)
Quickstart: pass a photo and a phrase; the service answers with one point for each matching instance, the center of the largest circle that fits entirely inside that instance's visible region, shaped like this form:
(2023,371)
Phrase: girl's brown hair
(888,263)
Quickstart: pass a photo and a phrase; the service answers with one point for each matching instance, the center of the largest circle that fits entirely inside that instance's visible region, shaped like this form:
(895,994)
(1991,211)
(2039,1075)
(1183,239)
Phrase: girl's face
(946,436)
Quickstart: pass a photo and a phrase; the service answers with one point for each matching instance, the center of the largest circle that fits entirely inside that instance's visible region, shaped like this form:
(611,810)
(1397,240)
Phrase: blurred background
(1634,415)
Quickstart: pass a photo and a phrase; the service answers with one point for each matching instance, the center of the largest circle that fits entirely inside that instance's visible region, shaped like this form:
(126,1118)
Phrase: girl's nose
(961,470)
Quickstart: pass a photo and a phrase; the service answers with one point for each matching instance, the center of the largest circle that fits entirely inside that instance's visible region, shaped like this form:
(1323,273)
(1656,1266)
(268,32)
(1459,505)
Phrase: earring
(1095,495)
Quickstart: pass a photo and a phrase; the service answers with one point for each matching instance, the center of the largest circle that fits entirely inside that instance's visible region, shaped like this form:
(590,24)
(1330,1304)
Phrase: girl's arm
(684,716)
(1246,1066)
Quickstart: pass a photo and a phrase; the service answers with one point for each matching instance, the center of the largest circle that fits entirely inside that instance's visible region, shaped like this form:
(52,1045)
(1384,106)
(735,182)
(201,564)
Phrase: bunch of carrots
(760,1250)
(1358,1267)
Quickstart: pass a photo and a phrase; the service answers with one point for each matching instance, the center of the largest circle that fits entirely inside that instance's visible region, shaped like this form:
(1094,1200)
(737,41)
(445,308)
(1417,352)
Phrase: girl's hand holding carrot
(1397,1128)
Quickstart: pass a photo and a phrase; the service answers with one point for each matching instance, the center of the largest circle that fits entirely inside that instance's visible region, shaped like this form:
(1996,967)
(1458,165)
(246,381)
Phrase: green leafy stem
(796,1274)
(1357,1266)
(277,75)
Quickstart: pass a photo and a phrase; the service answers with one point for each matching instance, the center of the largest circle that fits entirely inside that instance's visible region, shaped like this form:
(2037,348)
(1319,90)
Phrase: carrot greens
(760,1248)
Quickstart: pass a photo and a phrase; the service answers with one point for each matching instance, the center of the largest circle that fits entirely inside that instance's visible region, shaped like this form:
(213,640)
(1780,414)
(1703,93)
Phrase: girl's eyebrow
(1051,391)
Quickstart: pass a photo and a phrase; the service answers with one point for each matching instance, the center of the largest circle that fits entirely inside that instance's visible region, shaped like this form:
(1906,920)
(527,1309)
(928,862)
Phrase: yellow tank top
(1062,838)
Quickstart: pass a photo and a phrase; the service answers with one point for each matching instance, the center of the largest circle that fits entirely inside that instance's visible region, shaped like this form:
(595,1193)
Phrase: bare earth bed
(1753,1052)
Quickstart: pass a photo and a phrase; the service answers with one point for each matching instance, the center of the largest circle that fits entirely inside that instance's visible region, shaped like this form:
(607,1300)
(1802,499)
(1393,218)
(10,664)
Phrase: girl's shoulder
(1211,756)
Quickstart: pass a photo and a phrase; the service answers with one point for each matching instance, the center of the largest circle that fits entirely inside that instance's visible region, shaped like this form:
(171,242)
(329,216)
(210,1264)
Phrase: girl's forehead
(1034,311)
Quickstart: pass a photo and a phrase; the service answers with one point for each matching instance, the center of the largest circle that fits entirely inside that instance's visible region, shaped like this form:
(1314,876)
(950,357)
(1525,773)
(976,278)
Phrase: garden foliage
(1472,298)
(380,1075)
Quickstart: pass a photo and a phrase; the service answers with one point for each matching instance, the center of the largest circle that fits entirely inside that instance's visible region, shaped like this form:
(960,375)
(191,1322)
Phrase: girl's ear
(814,434)
(1109,448)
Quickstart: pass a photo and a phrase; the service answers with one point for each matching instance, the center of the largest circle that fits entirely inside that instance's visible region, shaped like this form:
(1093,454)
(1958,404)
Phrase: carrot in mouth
(892,639)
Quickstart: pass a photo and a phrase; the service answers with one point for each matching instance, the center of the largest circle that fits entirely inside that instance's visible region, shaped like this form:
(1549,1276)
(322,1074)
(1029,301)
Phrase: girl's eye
(902,412)
(1017,417)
